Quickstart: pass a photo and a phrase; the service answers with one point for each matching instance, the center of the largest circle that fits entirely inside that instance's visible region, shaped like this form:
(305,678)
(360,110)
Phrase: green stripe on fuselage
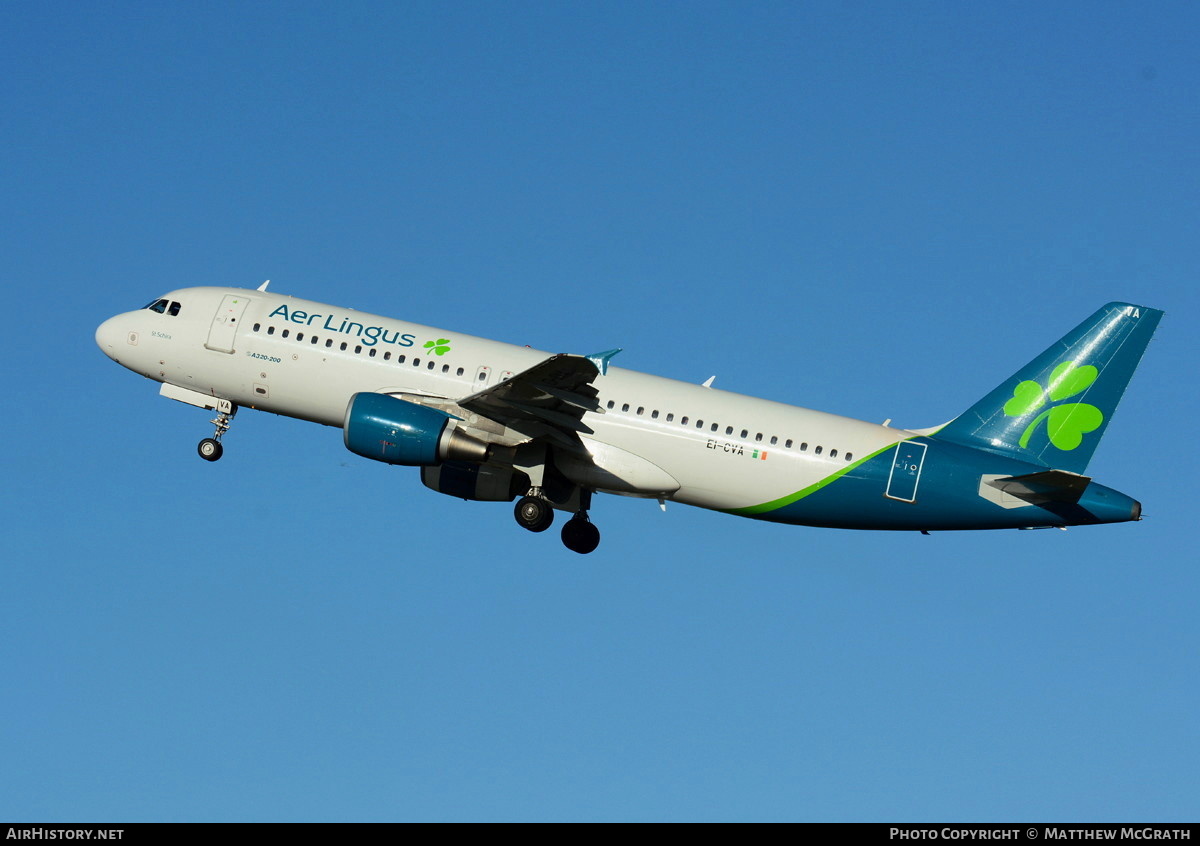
(751,510)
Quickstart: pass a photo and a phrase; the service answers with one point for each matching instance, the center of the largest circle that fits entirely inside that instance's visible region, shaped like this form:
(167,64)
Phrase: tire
(210,449)
(533,513)
(580,535)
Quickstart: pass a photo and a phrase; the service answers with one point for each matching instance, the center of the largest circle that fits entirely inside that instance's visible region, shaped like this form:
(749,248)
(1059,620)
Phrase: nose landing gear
(210,449)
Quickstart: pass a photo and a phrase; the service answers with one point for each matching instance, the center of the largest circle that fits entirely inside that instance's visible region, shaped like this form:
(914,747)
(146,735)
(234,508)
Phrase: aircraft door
(906,471)
(225,323)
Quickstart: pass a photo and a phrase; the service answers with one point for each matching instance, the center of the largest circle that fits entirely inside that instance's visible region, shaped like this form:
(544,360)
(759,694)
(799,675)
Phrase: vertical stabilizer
(1055,409)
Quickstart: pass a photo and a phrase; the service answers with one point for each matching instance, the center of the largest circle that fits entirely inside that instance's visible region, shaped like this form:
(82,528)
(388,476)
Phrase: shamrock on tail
(440,347)
(1066,424)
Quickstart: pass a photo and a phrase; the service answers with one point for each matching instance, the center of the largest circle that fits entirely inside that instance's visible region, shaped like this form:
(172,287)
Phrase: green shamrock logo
(439,347)
(1066,424)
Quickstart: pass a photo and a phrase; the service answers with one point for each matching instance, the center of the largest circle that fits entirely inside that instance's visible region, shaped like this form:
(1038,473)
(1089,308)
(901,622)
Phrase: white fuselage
(304,359)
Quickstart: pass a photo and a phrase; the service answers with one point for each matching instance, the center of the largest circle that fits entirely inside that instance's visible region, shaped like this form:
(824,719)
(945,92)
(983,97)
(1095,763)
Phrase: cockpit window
(158,305)
(174,309)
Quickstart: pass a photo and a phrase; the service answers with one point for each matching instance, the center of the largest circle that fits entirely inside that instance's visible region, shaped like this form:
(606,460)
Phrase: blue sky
(876,209)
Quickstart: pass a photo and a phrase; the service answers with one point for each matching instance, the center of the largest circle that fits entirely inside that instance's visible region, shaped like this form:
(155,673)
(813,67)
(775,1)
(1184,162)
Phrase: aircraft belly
(716,473)
(612,469)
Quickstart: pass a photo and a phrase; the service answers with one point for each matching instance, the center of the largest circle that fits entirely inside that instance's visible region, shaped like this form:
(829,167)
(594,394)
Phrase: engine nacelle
(475,481)
(395,431)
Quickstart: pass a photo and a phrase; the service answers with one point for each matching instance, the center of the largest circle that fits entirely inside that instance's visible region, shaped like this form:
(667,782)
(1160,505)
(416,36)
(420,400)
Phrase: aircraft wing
(547,400)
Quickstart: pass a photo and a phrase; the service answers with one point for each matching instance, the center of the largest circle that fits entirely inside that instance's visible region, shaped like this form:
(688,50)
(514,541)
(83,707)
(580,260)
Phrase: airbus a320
(497,422)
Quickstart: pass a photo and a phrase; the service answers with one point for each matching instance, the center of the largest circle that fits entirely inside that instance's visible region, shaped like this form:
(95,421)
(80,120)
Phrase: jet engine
(395,431)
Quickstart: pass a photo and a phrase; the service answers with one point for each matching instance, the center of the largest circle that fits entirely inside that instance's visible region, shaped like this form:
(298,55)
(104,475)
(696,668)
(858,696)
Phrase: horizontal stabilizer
(1043,487)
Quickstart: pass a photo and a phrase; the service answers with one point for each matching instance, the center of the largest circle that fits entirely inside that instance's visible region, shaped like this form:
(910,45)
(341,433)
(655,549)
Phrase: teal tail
(1055,409)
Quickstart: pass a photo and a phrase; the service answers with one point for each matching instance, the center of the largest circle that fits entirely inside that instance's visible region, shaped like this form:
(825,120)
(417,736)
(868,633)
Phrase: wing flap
(547,400)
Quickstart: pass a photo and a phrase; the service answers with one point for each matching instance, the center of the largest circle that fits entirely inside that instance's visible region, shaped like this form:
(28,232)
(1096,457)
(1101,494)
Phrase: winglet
(601,359)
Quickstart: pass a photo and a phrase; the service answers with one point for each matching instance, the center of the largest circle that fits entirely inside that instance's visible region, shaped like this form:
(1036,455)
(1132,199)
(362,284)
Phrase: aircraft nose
(108,335)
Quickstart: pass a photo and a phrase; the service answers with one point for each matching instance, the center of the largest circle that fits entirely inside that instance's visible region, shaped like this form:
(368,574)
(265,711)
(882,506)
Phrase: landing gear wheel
(210,449)
(534,513)
(580,535)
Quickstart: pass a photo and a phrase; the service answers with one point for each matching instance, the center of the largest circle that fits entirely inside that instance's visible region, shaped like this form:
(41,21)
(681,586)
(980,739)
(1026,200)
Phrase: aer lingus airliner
(492,421)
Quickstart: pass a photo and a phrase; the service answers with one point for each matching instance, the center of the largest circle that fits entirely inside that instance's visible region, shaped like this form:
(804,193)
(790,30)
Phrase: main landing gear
(580,535)
(535,513)
(210,449)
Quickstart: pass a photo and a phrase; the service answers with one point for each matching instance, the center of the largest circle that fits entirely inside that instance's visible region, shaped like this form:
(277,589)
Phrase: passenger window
(625,406)
(357,349)
(328,343)
(699,424)
(458,372)
(445,368)
(641,410)
(399,359)
(849,456)
(611,404)
(284,333)
(314,340)
(344,346)
(431,365)
(654,414)
(745,432)
(774,440)
(683,421)
(416,362)
(817,450)
(758,437)
(387,356)
(270,330)
(714,427)
(833,453)
(670,417)
(788,443)
(257,326)
(299,336)
(804,447)
(174,310)
(372,352)
(728,430)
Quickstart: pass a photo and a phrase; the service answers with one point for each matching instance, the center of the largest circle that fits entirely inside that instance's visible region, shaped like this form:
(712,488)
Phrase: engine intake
(395,431)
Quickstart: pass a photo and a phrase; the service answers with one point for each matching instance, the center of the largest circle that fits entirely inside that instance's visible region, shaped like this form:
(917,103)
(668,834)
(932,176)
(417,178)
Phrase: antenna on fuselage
(264,285)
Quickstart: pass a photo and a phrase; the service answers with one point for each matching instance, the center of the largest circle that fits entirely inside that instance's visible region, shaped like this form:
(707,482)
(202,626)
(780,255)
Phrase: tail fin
(1054,410)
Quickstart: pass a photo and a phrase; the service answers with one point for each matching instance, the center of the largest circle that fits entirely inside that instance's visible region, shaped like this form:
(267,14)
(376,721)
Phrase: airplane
(497,422)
